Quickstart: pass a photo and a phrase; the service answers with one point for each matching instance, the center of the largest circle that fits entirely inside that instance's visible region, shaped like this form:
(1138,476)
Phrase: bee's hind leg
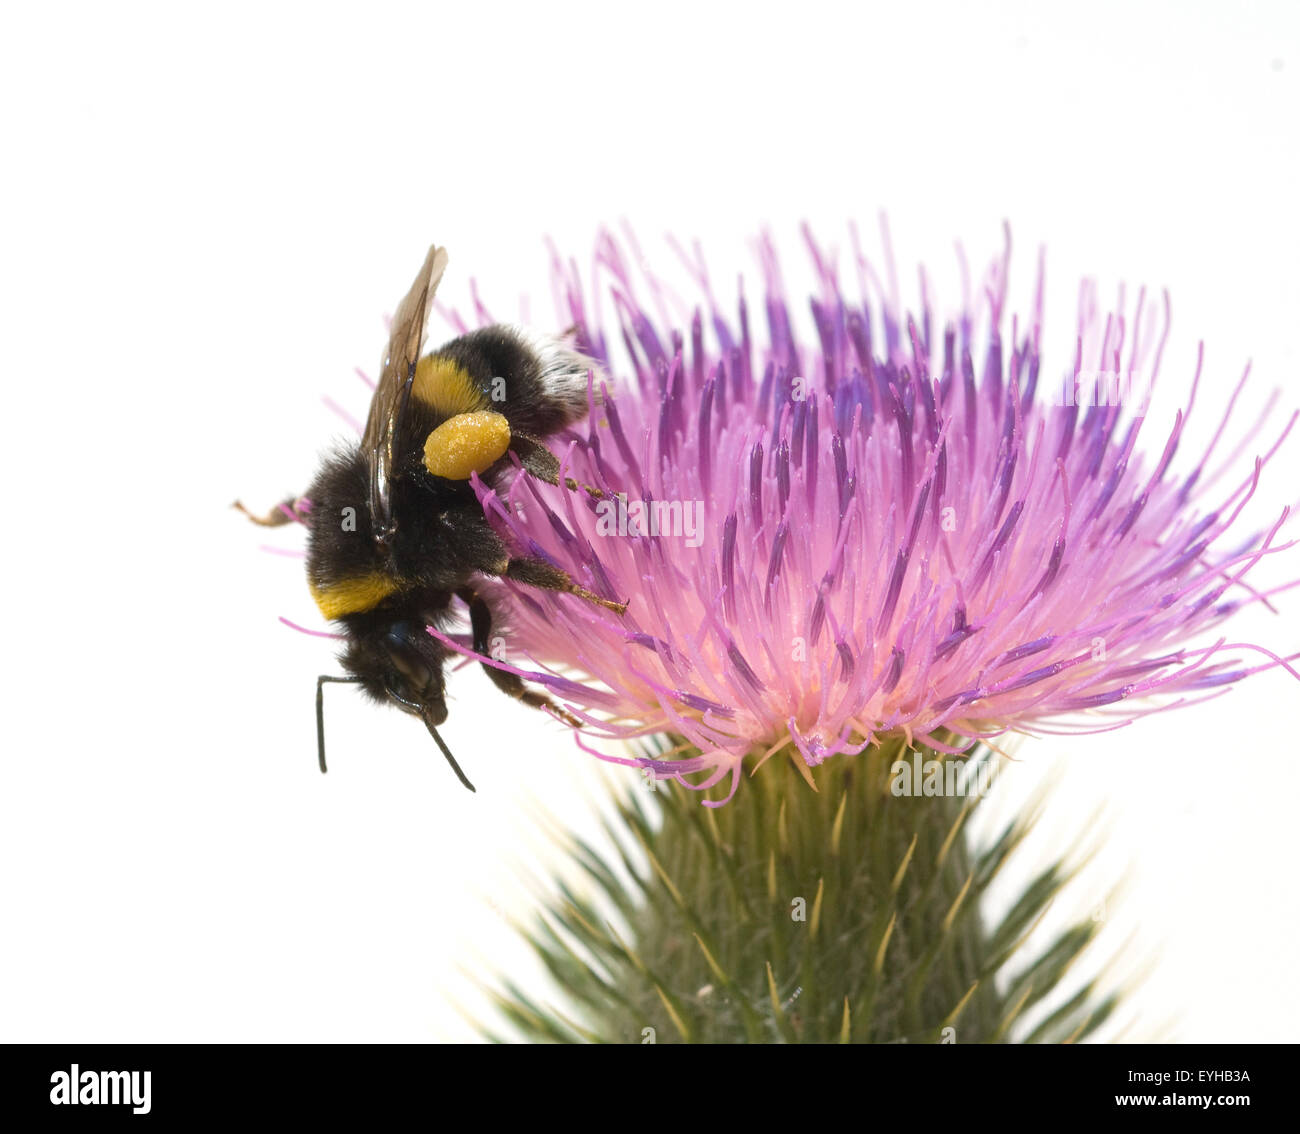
(286,512)
(480,619)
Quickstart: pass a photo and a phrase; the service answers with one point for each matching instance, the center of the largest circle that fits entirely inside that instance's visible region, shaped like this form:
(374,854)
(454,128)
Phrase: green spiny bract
(845,914)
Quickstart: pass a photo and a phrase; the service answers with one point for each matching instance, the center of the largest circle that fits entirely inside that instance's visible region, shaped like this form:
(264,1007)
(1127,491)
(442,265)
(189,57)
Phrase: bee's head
(401,663)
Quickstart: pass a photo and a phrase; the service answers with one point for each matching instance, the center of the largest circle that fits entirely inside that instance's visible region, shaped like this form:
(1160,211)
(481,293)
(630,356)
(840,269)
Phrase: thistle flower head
(886,529)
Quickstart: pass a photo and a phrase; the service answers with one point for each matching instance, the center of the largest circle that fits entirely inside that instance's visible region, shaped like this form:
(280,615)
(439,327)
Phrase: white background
(204,217)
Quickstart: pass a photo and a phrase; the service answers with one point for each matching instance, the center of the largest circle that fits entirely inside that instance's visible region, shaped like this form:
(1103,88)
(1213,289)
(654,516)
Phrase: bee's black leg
(286,512)
(538,460)
(480,620)
(320,710)
(536,573)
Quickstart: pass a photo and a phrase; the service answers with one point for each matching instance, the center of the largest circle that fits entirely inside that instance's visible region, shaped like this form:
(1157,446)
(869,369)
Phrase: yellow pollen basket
(353,596)
(467,443)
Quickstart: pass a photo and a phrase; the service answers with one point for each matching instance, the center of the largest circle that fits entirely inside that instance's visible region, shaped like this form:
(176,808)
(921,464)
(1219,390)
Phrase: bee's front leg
(540,462)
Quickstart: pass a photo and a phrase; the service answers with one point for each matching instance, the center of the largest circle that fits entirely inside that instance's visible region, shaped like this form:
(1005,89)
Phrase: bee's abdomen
(345,573)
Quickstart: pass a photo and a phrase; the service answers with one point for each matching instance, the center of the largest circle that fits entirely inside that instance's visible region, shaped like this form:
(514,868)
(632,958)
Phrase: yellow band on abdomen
(353,596)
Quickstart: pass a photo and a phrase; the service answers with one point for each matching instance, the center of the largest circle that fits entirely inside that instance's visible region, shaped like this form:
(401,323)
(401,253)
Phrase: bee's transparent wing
(397,373)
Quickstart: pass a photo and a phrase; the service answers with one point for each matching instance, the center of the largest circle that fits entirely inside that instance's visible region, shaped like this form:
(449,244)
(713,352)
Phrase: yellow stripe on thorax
(353,596)
(442,384)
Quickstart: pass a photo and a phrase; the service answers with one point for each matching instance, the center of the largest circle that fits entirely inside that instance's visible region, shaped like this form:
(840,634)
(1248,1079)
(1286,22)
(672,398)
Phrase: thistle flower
(882,533)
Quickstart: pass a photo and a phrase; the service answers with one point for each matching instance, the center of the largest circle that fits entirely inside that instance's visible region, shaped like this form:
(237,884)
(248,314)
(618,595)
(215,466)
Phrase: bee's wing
(397,373)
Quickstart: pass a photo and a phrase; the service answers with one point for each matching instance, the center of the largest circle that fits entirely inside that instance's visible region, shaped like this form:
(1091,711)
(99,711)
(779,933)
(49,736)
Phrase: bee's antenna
(422,712)
(447,752)
(320,710)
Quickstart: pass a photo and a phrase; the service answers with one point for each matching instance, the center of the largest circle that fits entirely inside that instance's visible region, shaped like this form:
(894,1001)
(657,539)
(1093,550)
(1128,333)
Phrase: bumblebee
(395,531)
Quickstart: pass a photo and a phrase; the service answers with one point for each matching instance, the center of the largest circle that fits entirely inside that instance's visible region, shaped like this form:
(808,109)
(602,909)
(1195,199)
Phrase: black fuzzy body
(437,538)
